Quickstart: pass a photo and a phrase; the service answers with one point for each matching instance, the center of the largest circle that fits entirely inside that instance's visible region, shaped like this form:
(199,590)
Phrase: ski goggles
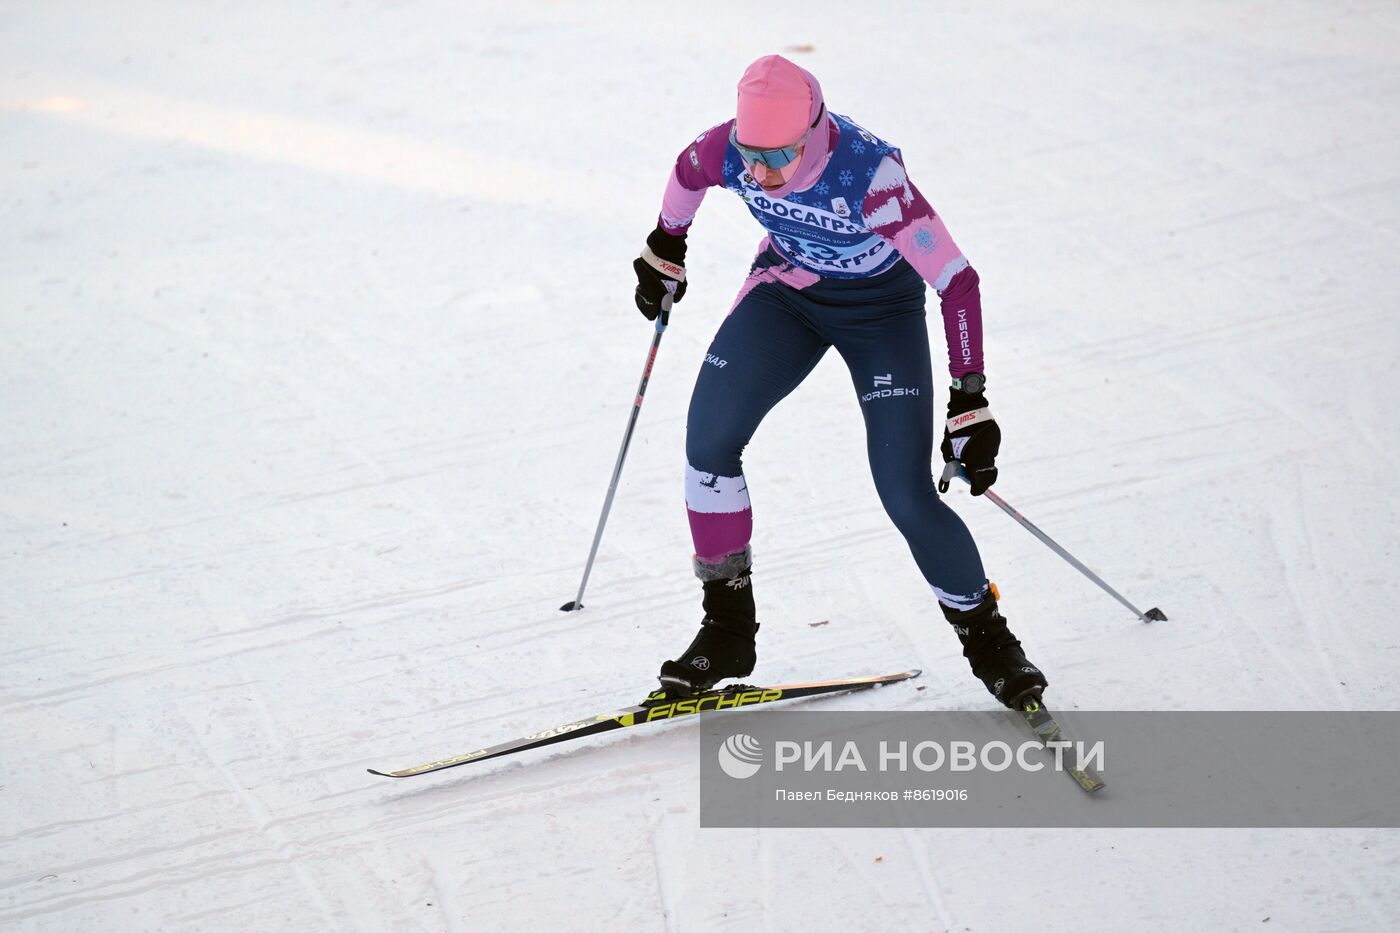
(777,157)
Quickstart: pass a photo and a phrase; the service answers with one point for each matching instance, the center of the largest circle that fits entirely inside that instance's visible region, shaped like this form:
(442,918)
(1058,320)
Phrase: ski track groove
(1307,618)
(74,867)
(1261,637)
(161,879)
(76,692)
(285,848)
(1341,638)
(769,880)
(860,867)
(188,920)
(132,772)
(666,897)
(38,652)
(444,905)
(387,601)
(928,886)
(59,826)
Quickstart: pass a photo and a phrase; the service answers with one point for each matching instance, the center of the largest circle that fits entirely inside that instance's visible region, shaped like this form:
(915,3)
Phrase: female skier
(850,245)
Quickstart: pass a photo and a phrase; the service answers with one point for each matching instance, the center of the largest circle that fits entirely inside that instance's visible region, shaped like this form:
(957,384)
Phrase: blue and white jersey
(821,228)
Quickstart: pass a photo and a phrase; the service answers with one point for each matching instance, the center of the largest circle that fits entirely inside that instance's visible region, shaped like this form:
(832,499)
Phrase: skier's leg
(762,351)
(887,352)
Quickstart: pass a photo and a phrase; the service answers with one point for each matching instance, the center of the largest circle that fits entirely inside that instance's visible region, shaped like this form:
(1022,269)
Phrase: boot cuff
(729,567)
(988,606)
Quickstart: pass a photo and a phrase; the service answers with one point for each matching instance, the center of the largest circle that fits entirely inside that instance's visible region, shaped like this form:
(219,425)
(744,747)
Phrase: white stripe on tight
(959,602)
(709,492)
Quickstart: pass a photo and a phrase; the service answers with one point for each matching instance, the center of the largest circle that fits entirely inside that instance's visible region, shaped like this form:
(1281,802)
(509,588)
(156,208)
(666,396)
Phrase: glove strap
(968,418)
(673,270)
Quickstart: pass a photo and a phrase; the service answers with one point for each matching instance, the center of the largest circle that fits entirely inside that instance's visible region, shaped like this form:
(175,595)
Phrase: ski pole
(662,320)
(953,468)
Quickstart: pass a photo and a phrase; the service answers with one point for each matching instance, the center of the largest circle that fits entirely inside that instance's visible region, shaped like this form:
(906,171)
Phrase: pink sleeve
(699,166)
(895,210)
(678,206)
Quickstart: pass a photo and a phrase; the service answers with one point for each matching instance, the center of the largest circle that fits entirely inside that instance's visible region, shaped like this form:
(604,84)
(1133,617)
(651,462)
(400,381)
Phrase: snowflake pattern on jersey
(840,246)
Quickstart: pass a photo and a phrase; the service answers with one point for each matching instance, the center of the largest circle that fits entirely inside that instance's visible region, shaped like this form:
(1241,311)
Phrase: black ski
(657,707)
(1048,730)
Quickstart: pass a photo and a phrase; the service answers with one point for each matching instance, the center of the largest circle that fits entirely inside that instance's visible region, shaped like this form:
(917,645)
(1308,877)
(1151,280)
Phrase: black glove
(971,437)
(660,271)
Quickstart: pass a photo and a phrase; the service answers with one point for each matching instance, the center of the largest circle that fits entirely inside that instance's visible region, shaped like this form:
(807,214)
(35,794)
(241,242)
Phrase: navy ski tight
(782,323)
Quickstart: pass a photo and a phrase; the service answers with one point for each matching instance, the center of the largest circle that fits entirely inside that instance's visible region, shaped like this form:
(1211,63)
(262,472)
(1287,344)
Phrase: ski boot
(724,646)
(994,653)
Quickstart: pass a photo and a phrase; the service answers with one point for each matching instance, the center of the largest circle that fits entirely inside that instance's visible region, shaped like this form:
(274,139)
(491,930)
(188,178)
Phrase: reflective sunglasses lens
(772,158)
(777,158)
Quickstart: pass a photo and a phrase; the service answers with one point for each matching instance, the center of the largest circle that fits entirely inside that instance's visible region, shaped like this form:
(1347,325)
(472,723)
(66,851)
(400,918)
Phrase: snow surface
(317,348)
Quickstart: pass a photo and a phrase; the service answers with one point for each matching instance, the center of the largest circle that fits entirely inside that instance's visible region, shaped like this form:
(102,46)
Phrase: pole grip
(663,320)
(950,469)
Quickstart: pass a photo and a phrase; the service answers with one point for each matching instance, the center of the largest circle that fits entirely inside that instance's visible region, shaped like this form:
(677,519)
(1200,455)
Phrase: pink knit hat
(778,101)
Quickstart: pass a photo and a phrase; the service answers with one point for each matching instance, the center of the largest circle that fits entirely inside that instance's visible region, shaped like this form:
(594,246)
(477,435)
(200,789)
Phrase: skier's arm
(699,166)
(895,210)
(661,267)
